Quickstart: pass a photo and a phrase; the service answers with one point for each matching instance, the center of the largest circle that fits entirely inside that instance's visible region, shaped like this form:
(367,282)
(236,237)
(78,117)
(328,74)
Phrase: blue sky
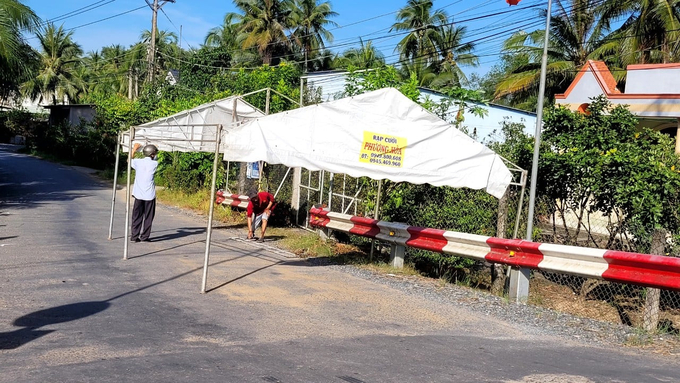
(369,19)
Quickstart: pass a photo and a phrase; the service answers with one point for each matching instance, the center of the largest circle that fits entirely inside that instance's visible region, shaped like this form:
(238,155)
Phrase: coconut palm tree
(57,78)
(454,54)
(577,34)
(364,57)
(424,29)
(650,32)
(225,35)
(16,56)
(93,72)
(167,50)
(117,69)
(264,25)
(311,19)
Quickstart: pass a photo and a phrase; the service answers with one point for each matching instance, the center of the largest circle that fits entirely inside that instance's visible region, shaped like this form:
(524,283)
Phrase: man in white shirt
(144,191)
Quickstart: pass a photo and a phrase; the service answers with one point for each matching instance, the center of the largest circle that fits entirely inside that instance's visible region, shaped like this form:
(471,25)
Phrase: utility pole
(154,25)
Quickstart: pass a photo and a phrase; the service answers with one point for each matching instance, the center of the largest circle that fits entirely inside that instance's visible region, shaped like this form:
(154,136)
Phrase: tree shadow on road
(31,323)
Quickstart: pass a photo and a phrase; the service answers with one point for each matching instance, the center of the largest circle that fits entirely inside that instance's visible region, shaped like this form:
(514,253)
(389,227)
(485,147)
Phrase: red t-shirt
(258,209)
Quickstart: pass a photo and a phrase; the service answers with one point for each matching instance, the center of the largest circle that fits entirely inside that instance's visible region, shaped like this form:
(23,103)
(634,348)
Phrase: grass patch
(384,268)
(198,202)
(302,243)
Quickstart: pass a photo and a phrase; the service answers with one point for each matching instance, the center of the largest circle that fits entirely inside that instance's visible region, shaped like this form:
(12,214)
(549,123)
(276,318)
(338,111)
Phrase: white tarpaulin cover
(183,132)
(381,134)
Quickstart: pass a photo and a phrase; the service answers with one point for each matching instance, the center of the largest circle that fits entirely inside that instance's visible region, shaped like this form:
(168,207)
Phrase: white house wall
(653,81)
(331,85)
(587,88)
(492,121)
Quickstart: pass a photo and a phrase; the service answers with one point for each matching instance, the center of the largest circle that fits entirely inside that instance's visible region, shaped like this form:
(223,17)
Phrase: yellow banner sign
(383,150)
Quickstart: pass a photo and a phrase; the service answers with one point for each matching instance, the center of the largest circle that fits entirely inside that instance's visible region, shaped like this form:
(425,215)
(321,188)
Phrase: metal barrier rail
(234,200)
(614,266)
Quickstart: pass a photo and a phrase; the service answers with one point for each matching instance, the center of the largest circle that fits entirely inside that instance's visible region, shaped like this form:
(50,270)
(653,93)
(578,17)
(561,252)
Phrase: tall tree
(264,25)
(167,50)
(310,19)
(650,32)
(454,54)
(93,72)
(224,35)
(577,33)
(367,56)
(57,79)
(424,29)
(16,56)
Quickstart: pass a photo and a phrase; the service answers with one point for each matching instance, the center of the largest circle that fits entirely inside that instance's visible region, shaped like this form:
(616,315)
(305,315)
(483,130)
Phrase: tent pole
(126,240)
(211,211)
(115,184)
(322,176)
(226,181)
(330,191)
(376,215)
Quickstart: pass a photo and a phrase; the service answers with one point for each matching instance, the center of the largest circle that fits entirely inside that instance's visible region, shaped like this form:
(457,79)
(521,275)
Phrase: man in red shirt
(259,209)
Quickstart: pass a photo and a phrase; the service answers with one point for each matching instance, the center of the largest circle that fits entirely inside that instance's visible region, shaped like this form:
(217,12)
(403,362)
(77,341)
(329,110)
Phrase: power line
(98,21)
(78,11)
(177,29)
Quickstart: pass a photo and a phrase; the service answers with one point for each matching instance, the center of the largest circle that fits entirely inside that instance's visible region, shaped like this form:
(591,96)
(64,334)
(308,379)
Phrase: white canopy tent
(195,130)
(380,134)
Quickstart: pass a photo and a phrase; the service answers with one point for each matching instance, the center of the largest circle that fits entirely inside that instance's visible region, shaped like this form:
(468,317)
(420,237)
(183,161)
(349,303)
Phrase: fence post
(497,270)
(651,310)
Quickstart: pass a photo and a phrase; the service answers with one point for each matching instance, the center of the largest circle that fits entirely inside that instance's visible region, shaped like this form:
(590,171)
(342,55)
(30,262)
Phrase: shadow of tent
(30,323)
(180,233)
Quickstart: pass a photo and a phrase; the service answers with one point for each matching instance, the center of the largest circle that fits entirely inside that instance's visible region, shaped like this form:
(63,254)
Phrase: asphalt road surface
(72,310)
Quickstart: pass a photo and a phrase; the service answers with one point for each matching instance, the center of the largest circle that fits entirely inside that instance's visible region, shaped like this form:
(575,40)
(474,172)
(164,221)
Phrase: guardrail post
(397,256)
(323,232)
(519,284)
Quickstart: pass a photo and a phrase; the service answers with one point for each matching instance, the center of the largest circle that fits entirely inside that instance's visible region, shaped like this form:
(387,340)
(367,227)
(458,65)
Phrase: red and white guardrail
(615,266)
(234,200)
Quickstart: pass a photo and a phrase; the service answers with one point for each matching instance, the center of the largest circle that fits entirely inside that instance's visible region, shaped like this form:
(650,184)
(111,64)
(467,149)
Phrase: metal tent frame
(193,137)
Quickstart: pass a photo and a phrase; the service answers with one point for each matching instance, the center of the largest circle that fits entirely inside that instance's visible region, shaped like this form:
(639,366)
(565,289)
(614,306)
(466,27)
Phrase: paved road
(71,310)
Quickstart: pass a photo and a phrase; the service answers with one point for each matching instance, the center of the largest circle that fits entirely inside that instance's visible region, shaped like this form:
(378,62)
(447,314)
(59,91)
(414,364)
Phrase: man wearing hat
(144,191)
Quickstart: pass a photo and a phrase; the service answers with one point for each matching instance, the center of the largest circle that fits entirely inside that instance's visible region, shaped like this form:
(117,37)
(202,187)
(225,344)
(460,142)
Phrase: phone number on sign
(384,161)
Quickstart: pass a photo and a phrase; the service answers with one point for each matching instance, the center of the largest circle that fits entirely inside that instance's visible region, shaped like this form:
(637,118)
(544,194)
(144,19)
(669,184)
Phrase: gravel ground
(534,320)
